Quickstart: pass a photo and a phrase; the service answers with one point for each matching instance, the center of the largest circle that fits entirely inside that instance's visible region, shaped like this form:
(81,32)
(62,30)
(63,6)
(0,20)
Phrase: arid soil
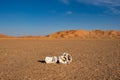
(23,59)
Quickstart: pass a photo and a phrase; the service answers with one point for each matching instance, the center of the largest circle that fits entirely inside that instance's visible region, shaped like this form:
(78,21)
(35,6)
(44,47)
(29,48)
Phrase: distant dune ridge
(31,36)
(82,34)
(77,34)
(5,36)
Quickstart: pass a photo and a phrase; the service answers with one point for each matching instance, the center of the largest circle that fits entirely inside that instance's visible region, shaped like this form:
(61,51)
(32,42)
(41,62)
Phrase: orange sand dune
(5,36)
(75,34)
(82,34)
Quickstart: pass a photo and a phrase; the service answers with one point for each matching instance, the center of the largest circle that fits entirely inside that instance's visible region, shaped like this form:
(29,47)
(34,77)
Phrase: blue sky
(42,17)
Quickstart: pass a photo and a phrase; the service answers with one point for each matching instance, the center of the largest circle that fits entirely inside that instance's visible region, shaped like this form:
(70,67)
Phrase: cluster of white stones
(65,58)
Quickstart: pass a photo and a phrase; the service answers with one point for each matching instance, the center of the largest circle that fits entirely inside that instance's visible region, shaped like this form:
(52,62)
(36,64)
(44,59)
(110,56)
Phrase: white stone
(65,58)
(51,59)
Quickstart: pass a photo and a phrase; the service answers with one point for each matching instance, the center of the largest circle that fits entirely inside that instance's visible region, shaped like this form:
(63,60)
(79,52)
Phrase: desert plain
(93,59)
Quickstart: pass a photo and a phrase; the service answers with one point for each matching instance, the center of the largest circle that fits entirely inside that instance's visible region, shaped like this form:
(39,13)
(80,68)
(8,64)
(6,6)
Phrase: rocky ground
(23,59)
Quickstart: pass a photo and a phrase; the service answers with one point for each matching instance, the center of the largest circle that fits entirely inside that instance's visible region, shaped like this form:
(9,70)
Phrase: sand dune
(5,36)
(76,34)
(82,34)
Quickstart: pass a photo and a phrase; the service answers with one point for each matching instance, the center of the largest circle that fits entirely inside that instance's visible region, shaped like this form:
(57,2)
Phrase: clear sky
(41,17)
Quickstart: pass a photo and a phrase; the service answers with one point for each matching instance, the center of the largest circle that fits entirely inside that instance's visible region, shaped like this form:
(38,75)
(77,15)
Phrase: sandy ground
(92,60)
